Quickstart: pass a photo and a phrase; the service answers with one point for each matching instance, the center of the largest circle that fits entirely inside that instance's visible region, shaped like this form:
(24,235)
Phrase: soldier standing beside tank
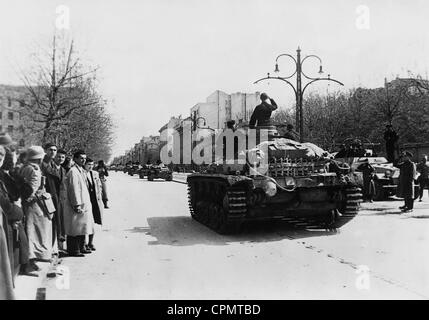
(262,113)
(391,138)
(406,181)
(368,180)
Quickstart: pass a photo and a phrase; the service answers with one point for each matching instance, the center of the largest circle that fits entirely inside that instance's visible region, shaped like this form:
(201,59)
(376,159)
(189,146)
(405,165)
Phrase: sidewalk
(34,288)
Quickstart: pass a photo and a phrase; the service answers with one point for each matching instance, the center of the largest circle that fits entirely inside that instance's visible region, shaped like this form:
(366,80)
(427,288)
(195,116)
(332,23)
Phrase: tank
(300,184)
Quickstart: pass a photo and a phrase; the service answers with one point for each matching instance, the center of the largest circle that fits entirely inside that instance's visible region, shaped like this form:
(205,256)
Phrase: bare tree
(56,89)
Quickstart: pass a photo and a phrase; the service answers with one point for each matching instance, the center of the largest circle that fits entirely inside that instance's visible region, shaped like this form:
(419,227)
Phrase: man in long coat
(78,219)
(406,181)
(54,174)
(95,193)
(37,223)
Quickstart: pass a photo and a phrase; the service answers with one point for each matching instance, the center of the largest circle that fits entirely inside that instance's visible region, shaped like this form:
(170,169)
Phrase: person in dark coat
(262,113)
(407,175)
(423,179)
(95,193)
(368,180)
(12,188)
(52,174)
(391,138)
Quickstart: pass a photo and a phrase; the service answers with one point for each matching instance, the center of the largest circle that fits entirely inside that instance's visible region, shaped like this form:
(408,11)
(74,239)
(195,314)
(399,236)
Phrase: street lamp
(299,91)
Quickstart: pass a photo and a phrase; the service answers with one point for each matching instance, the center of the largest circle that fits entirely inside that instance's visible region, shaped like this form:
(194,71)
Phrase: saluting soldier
(262,113)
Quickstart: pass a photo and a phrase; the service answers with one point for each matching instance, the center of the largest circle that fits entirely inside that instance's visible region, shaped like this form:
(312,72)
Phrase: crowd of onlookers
(49,203)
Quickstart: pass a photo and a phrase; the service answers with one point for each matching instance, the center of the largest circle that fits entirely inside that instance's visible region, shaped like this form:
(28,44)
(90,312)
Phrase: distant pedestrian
(391,138)
(103,173)
(38,223)
(368,180)
(78,219)
(423,179)
(95,193)
(406,181)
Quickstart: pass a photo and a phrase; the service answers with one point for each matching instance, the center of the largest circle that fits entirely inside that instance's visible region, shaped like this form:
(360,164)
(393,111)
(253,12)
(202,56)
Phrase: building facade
(12,119)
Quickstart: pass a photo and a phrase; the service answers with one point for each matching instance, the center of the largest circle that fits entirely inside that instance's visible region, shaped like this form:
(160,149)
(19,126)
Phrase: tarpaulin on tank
(286,148)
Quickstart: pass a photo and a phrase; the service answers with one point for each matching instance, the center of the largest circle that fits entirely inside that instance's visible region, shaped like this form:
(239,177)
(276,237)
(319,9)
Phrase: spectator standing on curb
(6,280)
(95,193)
(38,223)
(103,173)
(78,219)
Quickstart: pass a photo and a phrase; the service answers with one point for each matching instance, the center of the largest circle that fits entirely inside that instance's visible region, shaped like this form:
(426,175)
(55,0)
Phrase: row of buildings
(12,119)
(213,114)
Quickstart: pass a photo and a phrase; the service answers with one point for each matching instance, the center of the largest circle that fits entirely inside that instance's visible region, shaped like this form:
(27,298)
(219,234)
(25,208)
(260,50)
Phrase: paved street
(150,248)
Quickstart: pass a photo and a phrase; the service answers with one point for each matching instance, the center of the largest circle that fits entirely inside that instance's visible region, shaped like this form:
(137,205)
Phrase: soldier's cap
(408,154)
(264,95)
(5,139)
(61,151)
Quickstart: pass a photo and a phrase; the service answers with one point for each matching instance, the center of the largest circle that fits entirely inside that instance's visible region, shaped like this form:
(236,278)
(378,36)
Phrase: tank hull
(224,202)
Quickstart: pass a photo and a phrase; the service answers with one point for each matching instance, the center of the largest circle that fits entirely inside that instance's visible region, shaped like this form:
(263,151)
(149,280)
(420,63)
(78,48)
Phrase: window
(21,129)
(10,115)
(0,114)
(1,128)
(10,129)
(9,101)
(21,104)
(22,143)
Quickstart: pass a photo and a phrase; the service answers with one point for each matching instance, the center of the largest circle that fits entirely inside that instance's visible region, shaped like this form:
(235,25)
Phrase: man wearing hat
(262,113)
(78,218)
(407,175)
(38,223)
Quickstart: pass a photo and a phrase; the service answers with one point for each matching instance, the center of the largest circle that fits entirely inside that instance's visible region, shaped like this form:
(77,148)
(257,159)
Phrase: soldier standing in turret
(262,113)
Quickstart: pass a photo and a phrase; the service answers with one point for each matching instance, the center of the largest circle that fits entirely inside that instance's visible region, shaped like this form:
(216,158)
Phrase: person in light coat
(38,224)
(78,219)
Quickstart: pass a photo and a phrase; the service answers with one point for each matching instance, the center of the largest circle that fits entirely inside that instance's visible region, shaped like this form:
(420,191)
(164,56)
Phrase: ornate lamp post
(299,90)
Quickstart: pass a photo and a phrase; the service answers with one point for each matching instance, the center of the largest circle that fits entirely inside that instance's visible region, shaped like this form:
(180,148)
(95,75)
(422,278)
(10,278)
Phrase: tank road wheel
(350,206)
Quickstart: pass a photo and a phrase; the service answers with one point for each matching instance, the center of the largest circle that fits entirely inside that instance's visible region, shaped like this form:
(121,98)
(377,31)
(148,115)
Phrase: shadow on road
(184,231)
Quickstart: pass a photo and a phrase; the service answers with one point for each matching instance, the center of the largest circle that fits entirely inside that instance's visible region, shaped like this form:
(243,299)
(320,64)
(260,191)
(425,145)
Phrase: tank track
(337,218)
(222,210)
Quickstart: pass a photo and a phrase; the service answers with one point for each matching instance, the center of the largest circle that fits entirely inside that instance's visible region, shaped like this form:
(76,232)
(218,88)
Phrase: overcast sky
(159,58)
